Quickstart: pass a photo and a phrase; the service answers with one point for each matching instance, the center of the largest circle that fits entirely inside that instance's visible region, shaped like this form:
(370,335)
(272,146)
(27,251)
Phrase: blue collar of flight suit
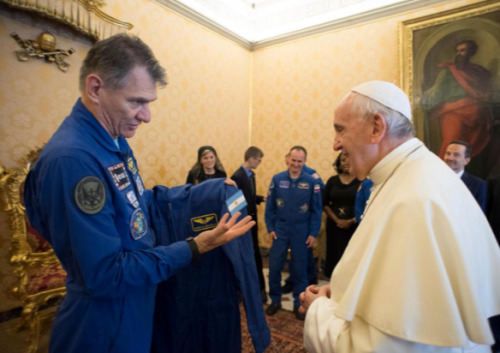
(82,115)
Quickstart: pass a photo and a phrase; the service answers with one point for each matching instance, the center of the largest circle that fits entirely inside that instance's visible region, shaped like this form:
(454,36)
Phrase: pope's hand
(311,294)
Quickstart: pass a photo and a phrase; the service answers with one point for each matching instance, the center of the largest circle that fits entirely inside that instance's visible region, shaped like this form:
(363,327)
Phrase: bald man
(420,272)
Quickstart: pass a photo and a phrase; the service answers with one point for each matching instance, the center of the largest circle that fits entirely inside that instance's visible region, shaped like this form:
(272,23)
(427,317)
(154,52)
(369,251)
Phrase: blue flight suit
(293,211)
(362,197)
(311,264)
(86,197)
(311,171)
(197,310)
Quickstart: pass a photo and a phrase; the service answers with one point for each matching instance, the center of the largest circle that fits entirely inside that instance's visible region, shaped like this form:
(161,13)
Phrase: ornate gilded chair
(39,275)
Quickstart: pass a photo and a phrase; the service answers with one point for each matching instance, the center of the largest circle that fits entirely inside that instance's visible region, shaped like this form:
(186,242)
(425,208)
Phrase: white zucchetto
(386,94)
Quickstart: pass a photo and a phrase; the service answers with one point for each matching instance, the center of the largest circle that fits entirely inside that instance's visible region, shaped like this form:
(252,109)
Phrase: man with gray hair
(420,272)
(86,197)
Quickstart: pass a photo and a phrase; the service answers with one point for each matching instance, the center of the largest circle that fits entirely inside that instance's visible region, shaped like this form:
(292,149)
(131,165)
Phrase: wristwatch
(194,249)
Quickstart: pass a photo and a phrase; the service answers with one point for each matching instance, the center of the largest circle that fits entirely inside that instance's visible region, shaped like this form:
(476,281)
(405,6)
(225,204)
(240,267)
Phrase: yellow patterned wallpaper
(205,102)
(297,85)
(292,89)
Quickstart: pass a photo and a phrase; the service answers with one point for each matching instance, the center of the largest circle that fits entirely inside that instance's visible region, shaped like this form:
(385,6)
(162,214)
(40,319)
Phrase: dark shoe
(287,288)
(298,315)
(272,309)
(313,281)
(264,296)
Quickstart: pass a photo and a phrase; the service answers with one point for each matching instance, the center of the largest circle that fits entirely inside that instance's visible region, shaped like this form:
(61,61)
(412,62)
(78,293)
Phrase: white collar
(383,169)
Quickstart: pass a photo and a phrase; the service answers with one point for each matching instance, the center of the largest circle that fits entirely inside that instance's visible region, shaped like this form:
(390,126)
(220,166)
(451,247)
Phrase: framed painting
(450,69)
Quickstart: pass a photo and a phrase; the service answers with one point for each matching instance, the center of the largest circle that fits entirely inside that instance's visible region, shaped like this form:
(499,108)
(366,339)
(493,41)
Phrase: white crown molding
(371,15)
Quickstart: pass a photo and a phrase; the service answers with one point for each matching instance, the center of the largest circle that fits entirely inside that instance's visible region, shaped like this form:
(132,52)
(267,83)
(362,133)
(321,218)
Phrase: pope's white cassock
(421,273)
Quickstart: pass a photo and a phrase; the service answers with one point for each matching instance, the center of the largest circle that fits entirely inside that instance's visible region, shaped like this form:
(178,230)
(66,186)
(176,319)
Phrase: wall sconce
(44,47)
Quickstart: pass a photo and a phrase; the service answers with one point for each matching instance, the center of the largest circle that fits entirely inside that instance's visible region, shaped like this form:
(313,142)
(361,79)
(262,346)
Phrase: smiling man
(86,197)
(457,156)
(420,272)
(293,219)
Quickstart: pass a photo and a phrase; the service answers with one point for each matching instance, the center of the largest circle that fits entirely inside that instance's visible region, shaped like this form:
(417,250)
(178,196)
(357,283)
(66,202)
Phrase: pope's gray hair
(398,126)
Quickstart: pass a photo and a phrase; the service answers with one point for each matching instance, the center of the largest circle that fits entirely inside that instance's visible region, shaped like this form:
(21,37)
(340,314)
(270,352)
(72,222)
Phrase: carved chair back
(40,278)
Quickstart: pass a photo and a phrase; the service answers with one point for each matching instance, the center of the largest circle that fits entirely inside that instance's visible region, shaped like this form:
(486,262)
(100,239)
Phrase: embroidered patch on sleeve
(138,224)
(90,195)
(236,202)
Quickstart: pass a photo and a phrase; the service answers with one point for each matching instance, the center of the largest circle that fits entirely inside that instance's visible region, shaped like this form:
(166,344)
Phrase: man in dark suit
(457,156)
(493,209)
(245,179)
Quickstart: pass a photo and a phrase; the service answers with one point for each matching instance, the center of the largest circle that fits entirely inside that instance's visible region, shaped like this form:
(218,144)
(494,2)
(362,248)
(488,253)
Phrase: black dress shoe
(264,296)
(287,288)
(298,315)
(272,309)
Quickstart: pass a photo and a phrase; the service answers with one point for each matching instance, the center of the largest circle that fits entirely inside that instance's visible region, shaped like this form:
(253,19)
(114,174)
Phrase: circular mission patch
(90,195)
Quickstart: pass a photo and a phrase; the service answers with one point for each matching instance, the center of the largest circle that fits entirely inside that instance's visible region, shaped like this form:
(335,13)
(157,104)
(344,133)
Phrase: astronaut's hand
(225,231)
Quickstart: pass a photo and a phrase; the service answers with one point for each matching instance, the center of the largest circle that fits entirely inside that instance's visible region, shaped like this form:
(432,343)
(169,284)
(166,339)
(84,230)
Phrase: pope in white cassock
(421,272)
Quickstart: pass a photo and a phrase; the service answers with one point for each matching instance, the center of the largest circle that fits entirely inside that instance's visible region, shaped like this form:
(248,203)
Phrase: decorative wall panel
(292,88)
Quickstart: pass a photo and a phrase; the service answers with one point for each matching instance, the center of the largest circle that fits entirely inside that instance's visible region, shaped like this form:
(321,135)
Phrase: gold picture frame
(427,46)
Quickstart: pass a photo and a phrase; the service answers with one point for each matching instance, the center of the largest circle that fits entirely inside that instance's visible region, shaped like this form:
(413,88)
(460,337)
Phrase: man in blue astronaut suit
(293,220)
(86,197)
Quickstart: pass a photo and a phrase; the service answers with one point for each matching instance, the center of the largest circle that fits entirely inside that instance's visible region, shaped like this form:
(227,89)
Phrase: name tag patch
(132,198)
(284,184)
(138,224)
(205,222)
(119,175)
(140,186)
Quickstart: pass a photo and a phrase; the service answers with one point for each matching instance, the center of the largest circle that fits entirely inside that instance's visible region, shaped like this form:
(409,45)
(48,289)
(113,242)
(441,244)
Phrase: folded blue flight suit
(197,310)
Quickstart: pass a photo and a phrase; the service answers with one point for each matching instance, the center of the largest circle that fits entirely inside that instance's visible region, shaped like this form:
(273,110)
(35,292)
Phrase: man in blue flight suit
(86,197)
(293,219)
(312,277)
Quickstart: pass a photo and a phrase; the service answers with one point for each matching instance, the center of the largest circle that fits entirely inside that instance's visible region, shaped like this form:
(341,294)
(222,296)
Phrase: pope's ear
(93,87)
(378,128)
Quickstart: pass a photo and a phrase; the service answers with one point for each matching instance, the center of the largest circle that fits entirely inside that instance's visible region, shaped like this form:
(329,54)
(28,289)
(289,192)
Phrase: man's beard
(461,61)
